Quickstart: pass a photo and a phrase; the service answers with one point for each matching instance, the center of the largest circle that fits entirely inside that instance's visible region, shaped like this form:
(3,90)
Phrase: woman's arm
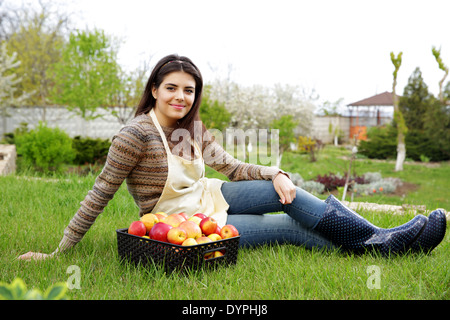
(220,160)
(125,152)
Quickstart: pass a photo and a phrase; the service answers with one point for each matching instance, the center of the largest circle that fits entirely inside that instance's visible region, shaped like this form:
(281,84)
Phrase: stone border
(396,210)
(8,157)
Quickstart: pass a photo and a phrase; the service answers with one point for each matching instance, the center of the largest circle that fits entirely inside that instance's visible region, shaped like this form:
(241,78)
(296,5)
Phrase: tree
(443,67)
(9,81)
(126,98)
(398,116)
(87,77)
(285,126)
(437,130)
(256,106)
(37,37)
(415,101)
(214,115)
(419,109)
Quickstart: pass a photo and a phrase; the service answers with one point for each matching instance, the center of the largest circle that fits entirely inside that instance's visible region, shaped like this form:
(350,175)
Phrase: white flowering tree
(8,84)
(258,107)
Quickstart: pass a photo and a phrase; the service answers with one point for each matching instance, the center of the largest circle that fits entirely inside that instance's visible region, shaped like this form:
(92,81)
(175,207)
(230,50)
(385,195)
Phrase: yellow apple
(192,229)
(189,242)
(196,219)
(176,235)
(174,220)
(149,220)
(215,237)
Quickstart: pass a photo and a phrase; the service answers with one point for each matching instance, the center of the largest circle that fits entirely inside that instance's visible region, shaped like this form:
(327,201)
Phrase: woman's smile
(178,106)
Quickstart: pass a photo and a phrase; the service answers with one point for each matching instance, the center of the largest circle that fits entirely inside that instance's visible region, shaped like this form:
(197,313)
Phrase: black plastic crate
(175,257)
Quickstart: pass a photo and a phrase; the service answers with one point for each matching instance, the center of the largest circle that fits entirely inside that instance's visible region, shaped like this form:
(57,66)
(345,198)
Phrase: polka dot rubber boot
(351,232)
(433,233)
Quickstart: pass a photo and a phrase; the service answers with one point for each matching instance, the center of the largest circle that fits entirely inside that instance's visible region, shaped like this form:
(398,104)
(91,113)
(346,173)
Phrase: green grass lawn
(34,213)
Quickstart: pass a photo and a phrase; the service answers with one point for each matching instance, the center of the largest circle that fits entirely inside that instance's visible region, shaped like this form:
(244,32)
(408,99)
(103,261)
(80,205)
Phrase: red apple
(192,229)
(228,231)
(159,231)
(208,225)
(161,216)
(203,240)
(214,237)
(200,215)
(196,219)
(218,229)
(174,220)
(137,228)
(176,235)
(162,213)
(189,242)
(184,215)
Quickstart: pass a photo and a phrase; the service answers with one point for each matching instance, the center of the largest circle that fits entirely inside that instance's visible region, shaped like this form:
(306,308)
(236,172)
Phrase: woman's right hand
(35,256)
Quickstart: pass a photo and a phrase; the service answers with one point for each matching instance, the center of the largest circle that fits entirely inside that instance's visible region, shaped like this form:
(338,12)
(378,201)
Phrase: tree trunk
(279,160)
(401,151)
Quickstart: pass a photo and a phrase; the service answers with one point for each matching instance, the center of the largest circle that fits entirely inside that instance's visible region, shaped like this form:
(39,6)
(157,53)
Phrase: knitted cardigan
(137,155)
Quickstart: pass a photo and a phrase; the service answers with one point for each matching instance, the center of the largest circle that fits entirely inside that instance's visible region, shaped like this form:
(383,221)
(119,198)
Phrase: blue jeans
(252,201)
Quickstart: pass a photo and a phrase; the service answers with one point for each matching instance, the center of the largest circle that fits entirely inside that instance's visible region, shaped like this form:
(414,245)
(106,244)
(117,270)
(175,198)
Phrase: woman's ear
(154,92)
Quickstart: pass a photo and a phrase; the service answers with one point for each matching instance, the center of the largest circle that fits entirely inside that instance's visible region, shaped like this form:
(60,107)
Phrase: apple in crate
(137,228)
(159,231)
(200,215)
(174,220)
(184,215)
(208,225)
(195,219)
(189,242)
(149,220)
(205,240)
(214,237)
(228,231)
(176,235)
(161,215)
(192,229)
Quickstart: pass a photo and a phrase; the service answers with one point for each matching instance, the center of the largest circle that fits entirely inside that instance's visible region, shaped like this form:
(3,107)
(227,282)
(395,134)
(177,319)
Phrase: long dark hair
(169,64)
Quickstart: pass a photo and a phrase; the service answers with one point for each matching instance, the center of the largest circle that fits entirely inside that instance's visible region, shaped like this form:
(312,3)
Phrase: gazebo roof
(382,99)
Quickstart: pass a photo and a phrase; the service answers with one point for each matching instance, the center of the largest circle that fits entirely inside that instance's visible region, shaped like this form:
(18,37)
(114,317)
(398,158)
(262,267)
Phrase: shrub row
(382,144)
(49,149)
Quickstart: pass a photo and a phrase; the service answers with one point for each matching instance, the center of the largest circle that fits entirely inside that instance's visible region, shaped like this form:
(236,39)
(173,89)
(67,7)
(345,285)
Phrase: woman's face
(174,98)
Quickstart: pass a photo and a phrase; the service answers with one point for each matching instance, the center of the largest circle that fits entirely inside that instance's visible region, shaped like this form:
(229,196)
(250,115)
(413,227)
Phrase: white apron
(187,189)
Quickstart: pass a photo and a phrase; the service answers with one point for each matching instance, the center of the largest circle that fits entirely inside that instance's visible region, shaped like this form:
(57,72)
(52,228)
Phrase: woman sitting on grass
(163,174)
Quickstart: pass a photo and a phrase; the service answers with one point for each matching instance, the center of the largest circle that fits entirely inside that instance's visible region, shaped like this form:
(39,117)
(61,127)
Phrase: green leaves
(45,148)
(88,75)
(17,290)
(286,126)
(396,61)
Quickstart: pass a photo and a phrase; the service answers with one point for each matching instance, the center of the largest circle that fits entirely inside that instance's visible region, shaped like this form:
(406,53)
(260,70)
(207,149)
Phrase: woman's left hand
(285,188)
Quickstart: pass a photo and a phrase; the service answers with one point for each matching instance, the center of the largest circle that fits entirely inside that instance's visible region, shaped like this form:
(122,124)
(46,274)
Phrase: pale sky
(339,48)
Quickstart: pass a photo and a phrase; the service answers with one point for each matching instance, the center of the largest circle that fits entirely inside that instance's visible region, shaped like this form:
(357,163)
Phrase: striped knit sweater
(137,155)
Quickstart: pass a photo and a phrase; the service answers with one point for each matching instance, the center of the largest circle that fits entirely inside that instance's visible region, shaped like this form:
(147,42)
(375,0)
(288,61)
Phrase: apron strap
(197,150)
(160,130)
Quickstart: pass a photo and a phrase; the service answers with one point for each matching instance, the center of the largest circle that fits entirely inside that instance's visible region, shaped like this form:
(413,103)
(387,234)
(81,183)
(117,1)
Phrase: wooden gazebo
(371,106)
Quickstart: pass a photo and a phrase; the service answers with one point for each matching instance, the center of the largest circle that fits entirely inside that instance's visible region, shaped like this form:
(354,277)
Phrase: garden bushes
(44,148)
(50,149)
(90,151)
(382,144)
